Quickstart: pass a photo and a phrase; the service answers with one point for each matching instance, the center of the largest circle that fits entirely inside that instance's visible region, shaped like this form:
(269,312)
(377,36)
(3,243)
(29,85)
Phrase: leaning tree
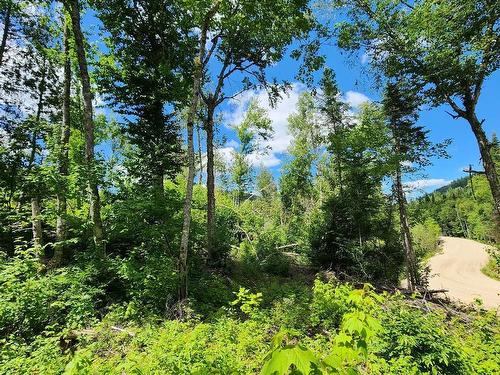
(445,49)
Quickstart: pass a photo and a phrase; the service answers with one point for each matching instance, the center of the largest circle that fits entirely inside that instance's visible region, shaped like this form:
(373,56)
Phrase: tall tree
(296,181)
(335,119)
(402,113)
(246,40)
(447,49)
(255,127)
(63,146)
(411,150)
(30,89)
(34,193)
(357,236)
(146,75)
(199,63)
(73,8)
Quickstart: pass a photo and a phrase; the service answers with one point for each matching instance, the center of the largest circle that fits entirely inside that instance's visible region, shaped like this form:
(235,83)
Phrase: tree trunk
(95,204)
(200,177)
(488,163)
(36,223)
(6,30)
(63,150)
(159,186)
(410,258)
(34,134)
(197,76)
(209,128)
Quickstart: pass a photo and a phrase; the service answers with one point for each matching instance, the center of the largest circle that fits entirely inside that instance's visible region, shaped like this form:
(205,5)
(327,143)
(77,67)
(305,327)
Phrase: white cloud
(426,183)
(268,160)
(225,153)
(278,116)
(365,58)
(232,143)
(355,99)
(256,159)
(98,99)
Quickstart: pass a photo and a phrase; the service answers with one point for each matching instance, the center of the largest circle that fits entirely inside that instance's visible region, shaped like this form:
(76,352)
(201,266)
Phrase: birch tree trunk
(36,223)
(198,133)
(209,128)
(63,150)
(197,77)
(95,204)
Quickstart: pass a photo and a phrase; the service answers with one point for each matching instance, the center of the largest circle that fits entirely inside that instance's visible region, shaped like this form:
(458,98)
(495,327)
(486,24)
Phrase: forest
(147,229)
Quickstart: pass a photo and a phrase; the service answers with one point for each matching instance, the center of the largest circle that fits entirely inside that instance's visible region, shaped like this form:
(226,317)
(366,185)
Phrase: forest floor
(458,269)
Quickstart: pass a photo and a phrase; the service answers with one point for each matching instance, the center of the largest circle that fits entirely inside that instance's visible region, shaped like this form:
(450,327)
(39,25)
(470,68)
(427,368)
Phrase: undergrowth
(63,322)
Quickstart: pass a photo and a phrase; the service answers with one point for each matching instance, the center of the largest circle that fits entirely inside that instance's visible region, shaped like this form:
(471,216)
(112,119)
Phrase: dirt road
(458,269)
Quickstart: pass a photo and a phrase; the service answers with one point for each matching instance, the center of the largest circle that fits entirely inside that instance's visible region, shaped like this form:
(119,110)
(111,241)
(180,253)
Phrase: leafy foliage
(464,211)
(261,284)
(426,236)
(249,302)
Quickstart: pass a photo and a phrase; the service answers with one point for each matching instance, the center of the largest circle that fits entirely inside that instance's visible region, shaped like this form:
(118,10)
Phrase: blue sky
(355,82)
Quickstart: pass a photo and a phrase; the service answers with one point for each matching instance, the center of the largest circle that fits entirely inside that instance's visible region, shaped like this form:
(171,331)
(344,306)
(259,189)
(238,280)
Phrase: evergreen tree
(146,74)
(335,120)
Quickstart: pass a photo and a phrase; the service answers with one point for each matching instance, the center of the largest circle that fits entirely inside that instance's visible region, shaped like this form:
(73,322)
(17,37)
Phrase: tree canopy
(302,247)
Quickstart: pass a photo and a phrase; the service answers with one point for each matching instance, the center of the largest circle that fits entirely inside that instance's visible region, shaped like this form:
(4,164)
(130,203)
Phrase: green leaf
(353,324)
(281,360)
(278,339)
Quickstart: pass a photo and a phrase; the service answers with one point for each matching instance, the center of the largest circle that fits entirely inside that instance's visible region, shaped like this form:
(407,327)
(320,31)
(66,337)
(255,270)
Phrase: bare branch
(459,111)
(215,42)
(454,116)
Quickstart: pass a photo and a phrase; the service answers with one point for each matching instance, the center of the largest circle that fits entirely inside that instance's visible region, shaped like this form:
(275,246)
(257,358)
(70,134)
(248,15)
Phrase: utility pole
(471,172)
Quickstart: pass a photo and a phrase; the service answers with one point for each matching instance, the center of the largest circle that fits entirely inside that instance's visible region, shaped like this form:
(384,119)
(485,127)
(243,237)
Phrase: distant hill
(463,208)
(461,182)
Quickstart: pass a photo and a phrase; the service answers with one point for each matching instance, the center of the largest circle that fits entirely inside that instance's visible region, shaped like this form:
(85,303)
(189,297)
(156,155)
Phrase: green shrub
(277,263)
(340,330)
(209,292)
(425,338)
(426,238)
(329,304)
(226,346)
(348,352)
(42,356)
(148,279)
(288,312)
(248,302)
(492,268)
(33,302)
(38,310)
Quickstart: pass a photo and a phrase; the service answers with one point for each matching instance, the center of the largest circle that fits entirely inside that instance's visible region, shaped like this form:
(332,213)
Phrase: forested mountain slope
(462,209)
